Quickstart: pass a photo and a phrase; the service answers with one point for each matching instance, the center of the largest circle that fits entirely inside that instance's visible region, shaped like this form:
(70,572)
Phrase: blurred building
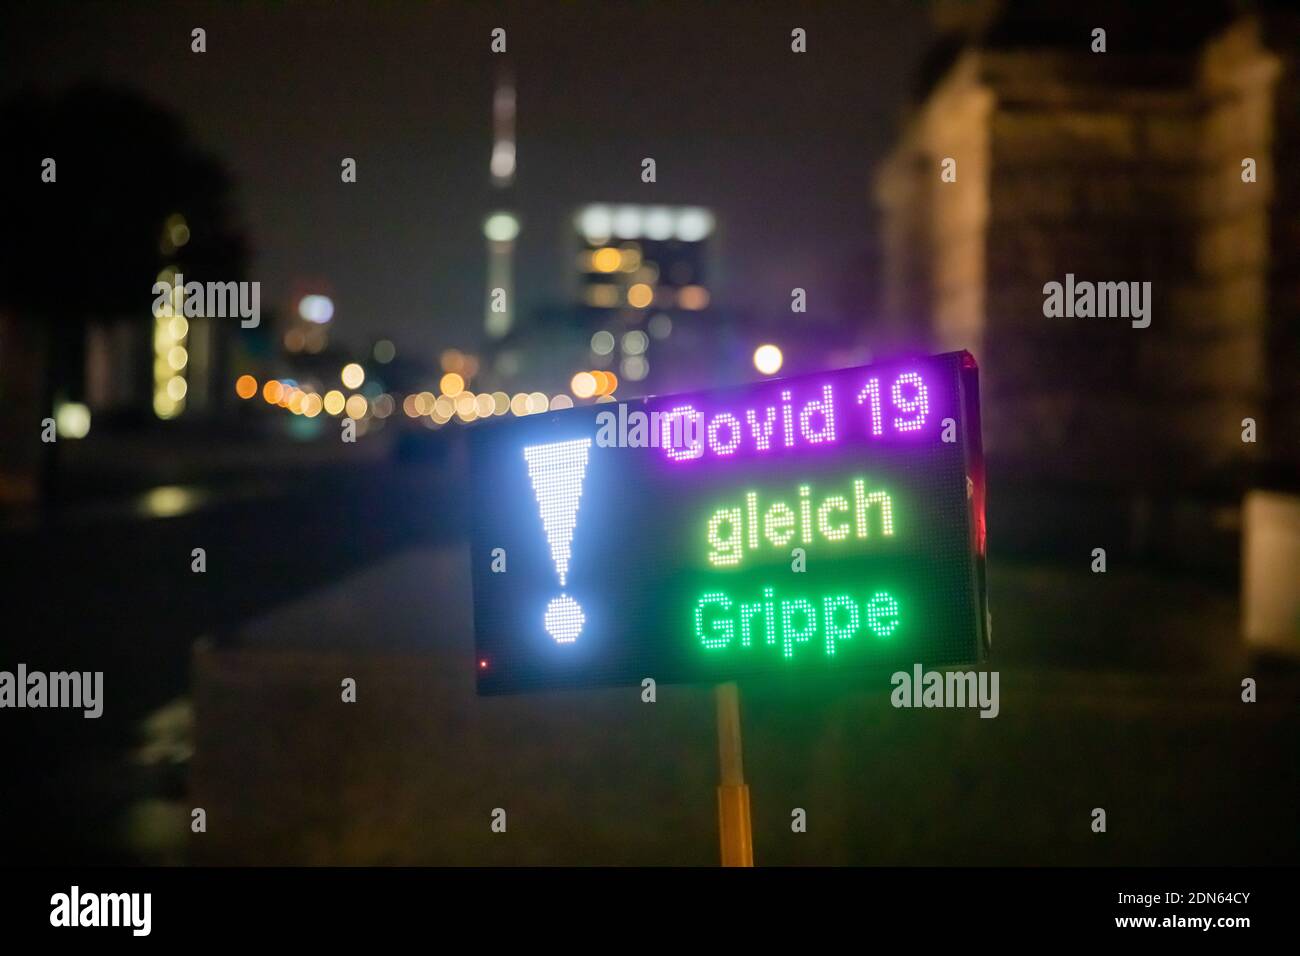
(639,288)
(82,339)
(643,257)
(642,308)
(640,274)
(1119,166)
(176,365)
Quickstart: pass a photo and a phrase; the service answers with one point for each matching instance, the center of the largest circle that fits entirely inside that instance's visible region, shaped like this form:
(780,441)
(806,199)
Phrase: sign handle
(733,794)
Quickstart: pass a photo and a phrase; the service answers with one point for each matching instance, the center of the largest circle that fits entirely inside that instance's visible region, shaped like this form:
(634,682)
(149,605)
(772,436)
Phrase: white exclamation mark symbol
(557,471)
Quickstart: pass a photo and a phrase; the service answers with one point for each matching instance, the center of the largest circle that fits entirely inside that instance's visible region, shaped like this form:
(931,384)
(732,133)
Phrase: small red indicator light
(482,665)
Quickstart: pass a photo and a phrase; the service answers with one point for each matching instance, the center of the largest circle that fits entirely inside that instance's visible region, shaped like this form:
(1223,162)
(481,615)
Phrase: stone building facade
(1112,167)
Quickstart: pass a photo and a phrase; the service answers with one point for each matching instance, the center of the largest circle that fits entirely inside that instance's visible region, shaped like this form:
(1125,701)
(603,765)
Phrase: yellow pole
(733,795)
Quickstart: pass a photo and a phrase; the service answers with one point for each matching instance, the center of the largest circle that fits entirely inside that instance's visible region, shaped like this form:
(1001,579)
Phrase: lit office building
(644,257)
(638,267)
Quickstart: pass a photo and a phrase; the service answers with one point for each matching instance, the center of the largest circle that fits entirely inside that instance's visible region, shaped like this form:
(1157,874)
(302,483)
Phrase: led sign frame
(824,523)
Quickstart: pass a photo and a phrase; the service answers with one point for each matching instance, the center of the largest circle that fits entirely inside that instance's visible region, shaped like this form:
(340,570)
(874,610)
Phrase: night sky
(781,145)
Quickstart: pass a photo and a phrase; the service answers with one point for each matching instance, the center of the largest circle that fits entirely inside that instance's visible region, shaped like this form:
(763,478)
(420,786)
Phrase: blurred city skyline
(402,249)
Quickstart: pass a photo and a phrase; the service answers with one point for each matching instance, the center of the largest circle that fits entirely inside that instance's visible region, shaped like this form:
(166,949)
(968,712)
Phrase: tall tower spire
(502,225)
(503,132)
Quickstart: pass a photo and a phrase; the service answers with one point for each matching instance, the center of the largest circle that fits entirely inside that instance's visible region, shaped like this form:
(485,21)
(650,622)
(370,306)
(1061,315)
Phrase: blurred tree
(88,244)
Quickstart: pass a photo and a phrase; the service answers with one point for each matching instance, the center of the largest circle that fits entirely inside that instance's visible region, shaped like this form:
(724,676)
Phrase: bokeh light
(629,257)
(316,308)
(72,420)
(356,406)
(693,224)
(353,375)
(596,223)
(635,342)
(693,297)
(657,224)
(605,260)
(640,295)
(451,384)
(501,227)
(768,359)
(627,222)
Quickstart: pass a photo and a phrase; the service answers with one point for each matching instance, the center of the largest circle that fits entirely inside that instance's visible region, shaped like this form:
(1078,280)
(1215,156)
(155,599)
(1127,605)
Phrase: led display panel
(827,522)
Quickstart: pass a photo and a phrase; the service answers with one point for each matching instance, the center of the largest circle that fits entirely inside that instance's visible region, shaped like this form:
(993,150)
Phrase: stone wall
(1281,442)
(1114,167)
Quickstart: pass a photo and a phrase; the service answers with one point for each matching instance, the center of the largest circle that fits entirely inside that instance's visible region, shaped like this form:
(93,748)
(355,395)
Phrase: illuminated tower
(501,227)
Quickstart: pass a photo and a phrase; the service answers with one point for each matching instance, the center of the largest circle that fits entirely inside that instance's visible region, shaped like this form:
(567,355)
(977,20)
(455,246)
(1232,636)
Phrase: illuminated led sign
(826,523)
